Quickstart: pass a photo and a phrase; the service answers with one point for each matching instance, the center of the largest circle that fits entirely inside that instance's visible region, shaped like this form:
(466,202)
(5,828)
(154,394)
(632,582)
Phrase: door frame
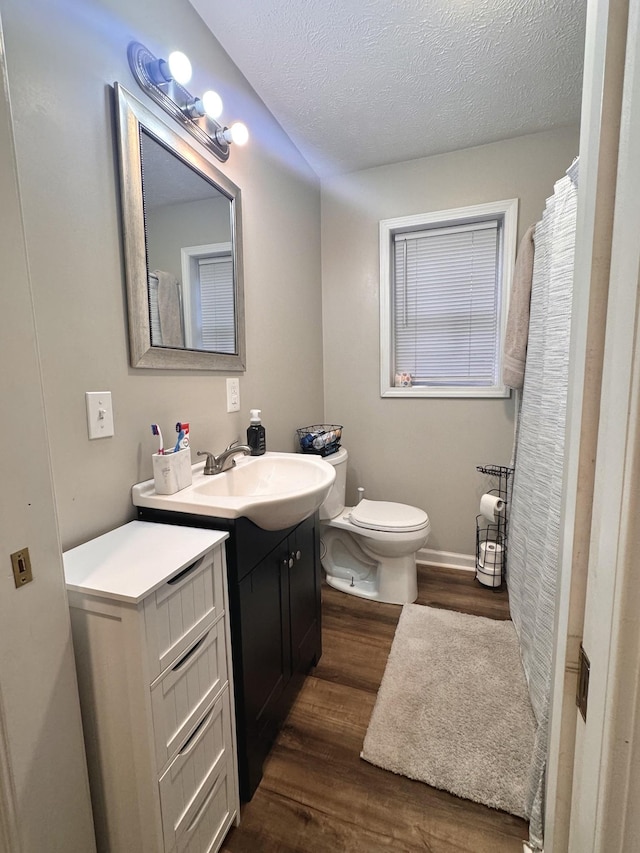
(583,780)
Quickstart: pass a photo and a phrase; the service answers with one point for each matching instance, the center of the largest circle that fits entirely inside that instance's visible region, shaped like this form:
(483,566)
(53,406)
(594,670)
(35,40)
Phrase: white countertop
(133,560)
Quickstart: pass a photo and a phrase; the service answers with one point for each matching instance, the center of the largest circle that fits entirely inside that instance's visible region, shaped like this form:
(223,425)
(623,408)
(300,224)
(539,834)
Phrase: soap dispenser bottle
(256,437)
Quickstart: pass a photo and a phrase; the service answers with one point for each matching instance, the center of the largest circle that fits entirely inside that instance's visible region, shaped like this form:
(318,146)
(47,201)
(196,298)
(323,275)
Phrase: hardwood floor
(318,796)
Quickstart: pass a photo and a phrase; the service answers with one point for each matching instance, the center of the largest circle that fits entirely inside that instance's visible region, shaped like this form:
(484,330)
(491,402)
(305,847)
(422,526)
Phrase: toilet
(370,549)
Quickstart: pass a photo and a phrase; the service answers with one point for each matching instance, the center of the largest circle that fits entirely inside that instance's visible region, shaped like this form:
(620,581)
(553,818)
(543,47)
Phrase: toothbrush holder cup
(172,471)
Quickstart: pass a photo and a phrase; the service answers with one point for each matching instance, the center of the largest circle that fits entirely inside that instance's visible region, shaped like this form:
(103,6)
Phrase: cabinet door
(304,597)
(266,661)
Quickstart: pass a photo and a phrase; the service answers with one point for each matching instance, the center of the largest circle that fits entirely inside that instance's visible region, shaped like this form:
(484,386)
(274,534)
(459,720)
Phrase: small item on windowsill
(403,380)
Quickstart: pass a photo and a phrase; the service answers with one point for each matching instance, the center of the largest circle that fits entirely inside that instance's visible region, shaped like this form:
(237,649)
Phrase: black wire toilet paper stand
(491,537)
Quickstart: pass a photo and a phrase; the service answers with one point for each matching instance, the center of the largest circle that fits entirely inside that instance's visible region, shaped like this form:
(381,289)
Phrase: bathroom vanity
(274,581)
(150,621)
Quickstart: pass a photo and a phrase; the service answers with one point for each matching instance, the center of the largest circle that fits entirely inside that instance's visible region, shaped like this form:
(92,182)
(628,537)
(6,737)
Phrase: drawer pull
(192,651)
(181,575)
(189,743)
(205,805)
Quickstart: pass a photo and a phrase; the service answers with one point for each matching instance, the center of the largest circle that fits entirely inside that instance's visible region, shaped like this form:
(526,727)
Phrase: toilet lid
(384,515)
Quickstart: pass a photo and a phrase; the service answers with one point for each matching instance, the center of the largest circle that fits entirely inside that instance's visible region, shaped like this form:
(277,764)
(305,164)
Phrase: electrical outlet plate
(99,414)
(21,563)
(233,395)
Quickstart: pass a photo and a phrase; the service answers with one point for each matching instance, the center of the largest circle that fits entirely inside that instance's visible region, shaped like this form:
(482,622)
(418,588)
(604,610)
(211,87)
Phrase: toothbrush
(155,429)
(183,436)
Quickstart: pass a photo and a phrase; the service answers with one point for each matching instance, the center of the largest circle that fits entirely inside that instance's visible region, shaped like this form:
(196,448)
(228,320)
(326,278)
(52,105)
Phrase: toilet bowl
(369,550)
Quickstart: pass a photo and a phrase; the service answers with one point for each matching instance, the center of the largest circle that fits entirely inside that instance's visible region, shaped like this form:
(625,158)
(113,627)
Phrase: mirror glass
(182,237)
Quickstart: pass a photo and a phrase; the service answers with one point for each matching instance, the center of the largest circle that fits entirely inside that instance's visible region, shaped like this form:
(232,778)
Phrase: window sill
(493,392)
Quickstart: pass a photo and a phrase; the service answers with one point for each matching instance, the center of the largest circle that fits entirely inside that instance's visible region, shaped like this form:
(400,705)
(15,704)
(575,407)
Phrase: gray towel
(169,309)
(517,334)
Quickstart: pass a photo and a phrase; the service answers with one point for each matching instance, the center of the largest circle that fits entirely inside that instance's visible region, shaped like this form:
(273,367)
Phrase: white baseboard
(447,559)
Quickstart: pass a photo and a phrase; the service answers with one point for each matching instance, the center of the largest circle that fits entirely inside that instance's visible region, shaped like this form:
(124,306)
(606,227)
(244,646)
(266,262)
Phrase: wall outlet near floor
(233,395)
(99,414)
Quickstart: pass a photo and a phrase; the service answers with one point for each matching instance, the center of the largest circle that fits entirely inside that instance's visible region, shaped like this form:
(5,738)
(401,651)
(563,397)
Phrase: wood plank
(453,589)
(318,795)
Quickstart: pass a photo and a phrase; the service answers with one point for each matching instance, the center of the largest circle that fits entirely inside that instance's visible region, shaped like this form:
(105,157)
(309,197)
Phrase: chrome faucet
(216,464)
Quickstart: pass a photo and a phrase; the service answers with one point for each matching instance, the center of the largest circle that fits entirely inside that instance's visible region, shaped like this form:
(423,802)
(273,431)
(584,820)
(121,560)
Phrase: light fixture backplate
(139,58)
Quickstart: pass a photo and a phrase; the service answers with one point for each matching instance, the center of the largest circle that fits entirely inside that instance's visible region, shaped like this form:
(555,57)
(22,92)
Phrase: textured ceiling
(360,83)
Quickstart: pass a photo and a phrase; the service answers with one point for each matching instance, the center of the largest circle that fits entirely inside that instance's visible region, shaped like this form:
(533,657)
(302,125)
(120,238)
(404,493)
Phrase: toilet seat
(388,516)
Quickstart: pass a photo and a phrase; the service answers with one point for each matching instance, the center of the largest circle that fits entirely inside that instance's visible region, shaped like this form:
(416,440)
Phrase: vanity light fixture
(164,81)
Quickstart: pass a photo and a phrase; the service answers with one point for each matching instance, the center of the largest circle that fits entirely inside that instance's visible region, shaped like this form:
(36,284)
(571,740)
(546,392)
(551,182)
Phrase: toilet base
(403,591)
(391,585)
(361,588)
(350,566)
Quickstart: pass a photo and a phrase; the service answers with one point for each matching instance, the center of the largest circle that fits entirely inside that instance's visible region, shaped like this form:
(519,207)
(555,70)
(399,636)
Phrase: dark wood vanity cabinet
(274,601)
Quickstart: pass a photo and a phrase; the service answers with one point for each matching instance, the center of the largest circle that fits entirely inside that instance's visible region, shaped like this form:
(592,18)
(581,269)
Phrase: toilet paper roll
(490,557)
(491,506)
(492,580)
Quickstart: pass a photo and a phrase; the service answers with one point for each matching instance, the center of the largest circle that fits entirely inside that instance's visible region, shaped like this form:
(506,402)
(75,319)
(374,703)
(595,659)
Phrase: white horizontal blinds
(446,296)
(217,303)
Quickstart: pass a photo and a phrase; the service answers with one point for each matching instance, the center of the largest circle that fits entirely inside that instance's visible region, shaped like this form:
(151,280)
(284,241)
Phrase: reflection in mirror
(182,249)
(191,294)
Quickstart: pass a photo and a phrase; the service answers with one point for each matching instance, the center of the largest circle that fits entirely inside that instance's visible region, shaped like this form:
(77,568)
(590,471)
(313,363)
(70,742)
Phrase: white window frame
(507,212)
(190,256)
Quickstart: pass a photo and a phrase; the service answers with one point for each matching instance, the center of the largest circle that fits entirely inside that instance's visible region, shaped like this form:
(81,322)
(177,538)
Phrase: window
(445,278)
(217,303)
(209,298)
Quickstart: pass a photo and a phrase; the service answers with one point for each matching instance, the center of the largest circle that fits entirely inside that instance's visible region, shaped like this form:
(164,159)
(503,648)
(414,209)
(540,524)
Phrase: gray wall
(173,227)
(62,58)
(423,451)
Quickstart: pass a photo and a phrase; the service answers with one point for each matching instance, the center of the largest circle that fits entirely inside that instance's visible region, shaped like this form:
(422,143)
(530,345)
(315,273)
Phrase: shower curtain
(534,522)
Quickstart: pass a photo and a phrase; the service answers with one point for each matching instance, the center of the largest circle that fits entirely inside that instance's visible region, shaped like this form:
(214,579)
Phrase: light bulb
(180,67)
(212,103)
(239,133)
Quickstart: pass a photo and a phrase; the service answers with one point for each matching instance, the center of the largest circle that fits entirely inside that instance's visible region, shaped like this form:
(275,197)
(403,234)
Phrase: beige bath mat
(453,708)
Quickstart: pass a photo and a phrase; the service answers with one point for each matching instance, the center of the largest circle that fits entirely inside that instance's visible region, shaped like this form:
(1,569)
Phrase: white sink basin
(274,491)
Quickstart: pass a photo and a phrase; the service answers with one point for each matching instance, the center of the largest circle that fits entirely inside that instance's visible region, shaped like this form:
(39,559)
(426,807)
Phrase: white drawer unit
(149,614)
(178,611)
(180,695)
(193,773)
(207,829)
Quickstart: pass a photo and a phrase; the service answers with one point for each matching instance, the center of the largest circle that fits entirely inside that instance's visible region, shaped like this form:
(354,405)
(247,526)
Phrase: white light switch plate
(99,414)
(233,395)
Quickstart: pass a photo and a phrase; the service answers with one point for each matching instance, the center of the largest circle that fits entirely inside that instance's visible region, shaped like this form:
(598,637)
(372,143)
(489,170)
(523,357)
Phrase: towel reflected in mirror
(165,310)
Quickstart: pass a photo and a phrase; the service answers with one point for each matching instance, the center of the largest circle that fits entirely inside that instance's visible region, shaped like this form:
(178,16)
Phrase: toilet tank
(334,502)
